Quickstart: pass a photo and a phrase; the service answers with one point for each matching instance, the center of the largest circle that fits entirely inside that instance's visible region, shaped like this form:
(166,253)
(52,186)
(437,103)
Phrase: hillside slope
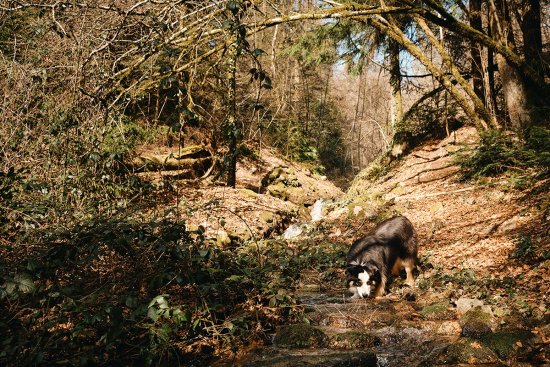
(487,228)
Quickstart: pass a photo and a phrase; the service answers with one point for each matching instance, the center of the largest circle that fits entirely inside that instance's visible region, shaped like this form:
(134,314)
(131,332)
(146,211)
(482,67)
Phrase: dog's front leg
(409,266)
(380,288)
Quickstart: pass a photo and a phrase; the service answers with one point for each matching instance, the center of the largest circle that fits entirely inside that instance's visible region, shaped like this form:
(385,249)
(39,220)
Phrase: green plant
(524,248)
(497,153)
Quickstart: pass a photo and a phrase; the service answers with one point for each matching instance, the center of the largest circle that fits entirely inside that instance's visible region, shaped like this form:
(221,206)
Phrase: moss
(300,336)
(467,351)
(354,340)
(267,216)
(476,322)
(278,190)
(249,193)
(506,344)
(437,311)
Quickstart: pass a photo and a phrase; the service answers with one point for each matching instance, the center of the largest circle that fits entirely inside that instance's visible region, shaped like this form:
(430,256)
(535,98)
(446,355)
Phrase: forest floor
(254,275)
(482,243)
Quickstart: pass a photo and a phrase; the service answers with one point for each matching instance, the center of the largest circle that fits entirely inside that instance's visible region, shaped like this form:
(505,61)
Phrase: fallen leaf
(475,345)
(519,344)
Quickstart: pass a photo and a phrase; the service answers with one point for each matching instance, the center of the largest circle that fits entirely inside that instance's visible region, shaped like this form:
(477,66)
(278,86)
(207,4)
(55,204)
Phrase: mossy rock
(223,239)
(437,311)
(278,190)
(267,216)
(467,351)
(249,193)
(300,336)
(476,322)
(508,344)
(298,195)
(354,340)
(324,359)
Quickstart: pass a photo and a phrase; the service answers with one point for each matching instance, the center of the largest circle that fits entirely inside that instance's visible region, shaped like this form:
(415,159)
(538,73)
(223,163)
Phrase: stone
(477,322)
(337,213)
(316,358)
(437,311)
(509,225)
(508,344)
(222,238)
(467,351)
(353,340)
(448,327)
(464,304)
(267,216)
(293,231)
(249,193)
(300,336)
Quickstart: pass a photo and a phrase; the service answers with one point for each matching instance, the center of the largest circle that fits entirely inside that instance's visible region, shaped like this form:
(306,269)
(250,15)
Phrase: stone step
(273,357)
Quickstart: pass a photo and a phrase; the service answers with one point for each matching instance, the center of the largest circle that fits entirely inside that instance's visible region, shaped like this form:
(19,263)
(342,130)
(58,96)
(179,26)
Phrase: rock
(489,230)
(310,288)
(508,344)
(467,351)
(249,193)
(337,213)
(317,358)
(222,238)
(267,216)
(509,225)
(437,311)
(448,328)
(477,322)
(300,336)
(464,304)
(317,210)
(294,231)
(353,340)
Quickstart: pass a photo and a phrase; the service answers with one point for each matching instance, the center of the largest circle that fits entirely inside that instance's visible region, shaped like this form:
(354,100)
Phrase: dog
(373,259)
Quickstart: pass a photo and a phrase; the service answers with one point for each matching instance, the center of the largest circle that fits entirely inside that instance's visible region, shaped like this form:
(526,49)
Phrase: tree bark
(395,82)
(479,107)
(475,49)
(514,86)
(231,125)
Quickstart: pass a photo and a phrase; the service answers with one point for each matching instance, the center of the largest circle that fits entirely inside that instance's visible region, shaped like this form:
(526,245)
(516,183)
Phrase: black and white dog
(373,259)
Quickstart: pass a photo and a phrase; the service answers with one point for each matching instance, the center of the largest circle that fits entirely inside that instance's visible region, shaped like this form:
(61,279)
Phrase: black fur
(377,253)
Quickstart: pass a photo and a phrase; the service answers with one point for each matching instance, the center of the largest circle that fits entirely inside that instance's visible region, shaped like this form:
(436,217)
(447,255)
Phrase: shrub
(498,153)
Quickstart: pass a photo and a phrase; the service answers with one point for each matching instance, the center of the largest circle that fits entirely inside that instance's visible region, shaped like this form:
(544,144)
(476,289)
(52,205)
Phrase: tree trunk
(520,96)
(479,107)
(475,50)
(395,82)
(530,25)
(231,125)
(397,35)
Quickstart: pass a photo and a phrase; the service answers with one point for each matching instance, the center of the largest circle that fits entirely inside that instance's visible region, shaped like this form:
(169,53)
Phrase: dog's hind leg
(409,266)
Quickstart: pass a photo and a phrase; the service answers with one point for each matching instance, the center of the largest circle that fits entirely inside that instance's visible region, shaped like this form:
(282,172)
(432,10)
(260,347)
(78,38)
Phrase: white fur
(364,289)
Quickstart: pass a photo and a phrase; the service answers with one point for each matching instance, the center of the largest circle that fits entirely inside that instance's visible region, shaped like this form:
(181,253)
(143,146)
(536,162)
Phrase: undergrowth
(135,291)
(498,153)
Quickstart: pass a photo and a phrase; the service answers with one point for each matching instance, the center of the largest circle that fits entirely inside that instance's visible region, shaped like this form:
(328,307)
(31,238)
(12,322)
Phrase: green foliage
(524,248)
(498,153)
(129,290)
